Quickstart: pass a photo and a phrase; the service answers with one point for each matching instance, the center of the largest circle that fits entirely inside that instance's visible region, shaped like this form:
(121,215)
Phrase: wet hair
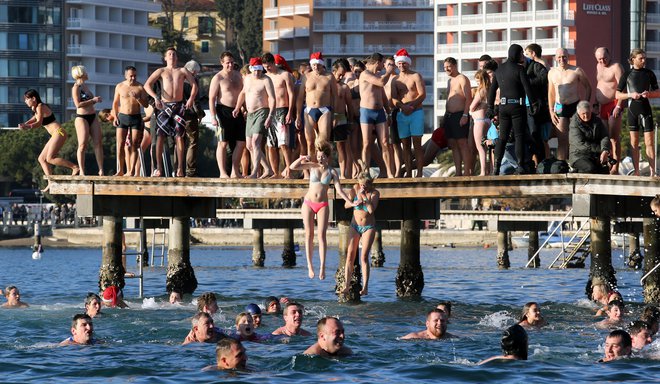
(615,303)
(30,93)
(365,178)
(435,310)
(324,146)
(130,68)
(226,54)
(485,58)
(224,345)
(514,342)
(447,305)
(451,61)
(8,289)
(242,315)
(341,63)
(604,287)
(292,304)
(268,58)
(526,307)
(205,299)
(104,115)
(78,71)
(637,326)
(359,65)
(321,323)
(634,53)
(626,341)
(390,58)
(484,79)
(91,297)
(584,105)
(655,203)
(491,65)
(352,61)
(650,315)
(535,48)
(269,300)
(79,316)
(198,316)
(373,58)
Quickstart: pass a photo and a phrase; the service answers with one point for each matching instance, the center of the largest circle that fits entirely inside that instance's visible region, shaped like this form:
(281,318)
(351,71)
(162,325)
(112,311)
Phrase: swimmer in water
(13,297)
(531,316)
(207,302)
(514,345)
(436,327)
(203,330)
(614,315)
(618,345)
(293,319)
(255,312)
(245,329)
(445,306)
(330,339)
(82,331)
(92,305)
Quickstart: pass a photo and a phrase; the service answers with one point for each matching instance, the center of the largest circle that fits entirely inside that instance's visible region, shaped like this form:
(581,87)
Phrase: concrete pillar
(180,274)
(112,271)
(503,250)
(532,249)
(409,276)
(601,252)
(258,251)
(635,256)
(652,247)
(353,295)
(288,252)
(377,254)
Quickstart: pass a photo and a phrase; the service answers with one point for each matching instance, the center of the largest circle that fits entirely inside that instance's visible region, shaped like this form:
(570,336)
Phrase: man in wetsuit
(513,83)
(639,84)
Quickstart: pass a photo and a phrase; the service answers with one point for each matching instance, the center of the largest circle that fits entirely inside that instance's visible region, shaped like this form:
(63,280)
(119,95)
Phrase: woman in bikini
(315,203)
(87,125)
(481,122)
(364,200)
(44,117)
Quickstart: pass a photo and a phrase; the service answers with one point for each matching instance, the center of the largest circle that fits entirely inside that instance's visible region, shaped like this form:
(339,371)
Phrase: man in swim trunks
(318,92)
(278,131)
(564,83)
(457,121)
(293,319)
(436,327)
(408,94)
(393,129)
(609,109)
(129,96)
(639,84)
(224,89)
(169,105)
(343,115)
(258,95)
(375,111)
(82,331)
(330,339)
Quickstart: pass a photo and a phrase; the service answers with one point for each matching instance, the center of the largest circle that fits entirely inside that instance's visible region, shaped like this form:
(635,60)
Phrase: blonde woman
(481,122)
(87,125)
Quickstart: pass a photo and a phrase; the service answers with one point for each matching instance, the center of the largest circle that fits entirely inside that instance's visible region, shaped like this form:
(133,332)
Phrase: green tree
(244,26)
(173,37)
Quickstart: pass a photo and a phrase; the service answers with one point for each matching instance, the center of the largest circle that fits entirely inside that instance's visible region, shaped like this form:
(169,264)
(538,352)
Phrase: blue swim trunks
(410,125)
(372,116)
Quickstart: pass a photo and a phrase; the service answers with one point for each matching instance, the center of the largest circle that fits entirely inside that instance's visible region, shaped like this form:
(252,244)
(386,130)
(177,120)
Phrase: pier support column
(635,256)
(503,250)
(601,252)
(377,254)
(258,252)
(652,247)
(180,274)
(353,295)
(409,276)
(532,249)
(143,241)
(112,271)
(288,252)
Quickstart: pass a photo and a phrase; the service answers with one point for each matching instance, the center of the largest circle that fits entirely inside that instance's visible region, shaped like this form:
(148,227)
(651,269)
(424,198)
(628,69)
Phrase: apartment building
(651,36)
(31,56)
(286,28)
(466,29)
(105,36)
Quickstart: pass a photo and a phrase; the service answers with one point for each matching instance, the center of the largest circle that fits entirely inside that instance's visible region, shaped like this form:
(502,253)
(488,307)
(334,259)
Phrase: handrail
(641,281)
(548,239)
(563,251)
(575,250)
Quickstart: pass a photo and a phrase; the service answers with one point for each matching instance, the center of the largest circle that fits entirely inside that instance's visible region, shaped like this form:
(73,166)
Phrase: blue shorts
(410,125)
(372,116)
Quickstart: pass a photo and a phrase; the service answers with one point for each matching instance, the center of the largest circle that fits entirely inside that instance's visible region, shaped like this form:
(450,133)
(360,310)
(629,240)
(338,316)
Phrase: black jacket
(587,139)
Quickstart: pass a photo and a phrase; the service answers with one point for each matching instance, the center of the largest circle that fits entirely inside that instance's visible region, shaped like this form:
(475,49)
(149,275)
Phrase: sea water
(142,344)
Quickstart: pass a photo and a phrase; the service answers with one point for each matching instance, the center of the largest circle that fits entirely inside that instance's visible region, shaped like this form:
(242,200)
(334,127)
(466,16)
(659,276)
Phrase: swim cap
(269,300)
(253,309)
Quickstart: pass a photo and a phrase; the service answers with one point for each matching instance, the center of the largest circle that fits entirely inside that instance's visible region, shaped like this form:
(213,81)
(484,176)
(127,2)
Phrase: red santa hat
(402,55)
(316,58)
(281,61)
(110,295)
(256,64)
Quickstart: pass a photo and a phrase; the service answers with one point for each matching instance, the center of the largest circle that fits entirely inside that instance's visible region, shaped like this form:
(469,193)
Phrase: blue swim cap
(253,309)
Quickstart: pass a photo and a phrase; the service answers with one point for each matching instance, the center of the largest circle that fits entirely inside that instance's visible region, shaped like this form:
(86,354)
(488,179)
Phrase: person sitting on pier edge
(330,339)
(255,312)
(13,297)
(92,305)
(640,335)
(113,297)
(531,316)
(82,331)
(514,344)
(436,327)
(589,142)
(230,354)
(203,330)
(618,344)
(207,302)
(293,319)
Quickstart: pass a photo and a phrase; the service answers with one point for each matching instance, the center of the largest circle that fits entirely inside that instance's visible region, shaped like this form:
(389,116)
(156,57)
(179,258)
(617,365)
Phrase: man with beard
(436,327)
(330,342)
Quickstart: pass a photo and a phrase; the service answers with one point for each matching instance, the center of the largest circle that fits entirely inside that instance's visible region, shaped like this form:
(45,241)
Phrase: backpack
(552,166)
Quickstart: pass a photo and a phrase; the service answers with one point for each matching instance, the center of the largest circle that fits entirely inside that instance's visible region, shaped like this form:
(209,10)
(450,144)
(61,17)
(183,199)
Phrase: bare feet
(155,173)
(310,272)
(75,171)
(276,176)
(101,173)
(267,175)
(364,292)
(120,173)
(346,289)
(286,173)
(251,176)
(46,189)
(225,176)
(180,174)
(322,273)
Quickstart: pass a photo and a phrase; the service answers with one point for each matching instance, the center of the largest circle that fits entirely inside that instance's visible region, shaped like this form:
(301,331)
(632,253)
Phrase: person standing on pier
(610,110)
(258,95)
(457,120)
(315,203)
(343,115)
(171,109)
(87,125)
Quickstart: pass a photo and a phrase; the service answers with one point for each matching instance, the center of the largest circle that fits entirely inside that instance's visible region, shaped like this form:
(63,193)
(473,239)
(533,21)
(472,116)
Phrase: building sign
(597,9)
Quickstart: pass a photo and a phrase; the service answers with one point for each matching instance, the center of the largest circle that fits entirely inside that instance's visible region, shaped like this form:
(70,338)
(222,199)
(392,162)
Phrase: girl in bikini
(315,203)
(481,122)
(44,117)
(364,200)
(87,125)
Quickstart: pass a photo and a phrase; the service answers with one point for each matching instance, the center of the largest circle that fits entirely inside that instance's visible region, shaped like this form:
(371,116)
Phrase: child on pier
(315,203)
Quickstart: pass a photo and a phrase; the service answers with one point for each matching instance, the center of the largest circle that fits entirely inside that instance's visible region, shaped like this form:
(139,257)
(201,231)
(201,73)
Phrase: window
(205,26)
(22,41)
(4,94)
(205,46)
(184,21)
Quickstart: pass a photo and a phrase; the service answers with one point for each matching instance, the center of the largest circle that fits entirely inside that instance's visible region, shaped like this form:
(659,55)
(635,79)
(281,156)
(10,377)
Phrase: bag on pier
(552,166)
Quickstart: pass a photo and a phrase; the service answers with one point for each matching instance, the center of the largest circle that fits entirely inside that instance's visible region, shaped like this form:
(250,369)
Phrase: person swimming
(531,316)
(514,343)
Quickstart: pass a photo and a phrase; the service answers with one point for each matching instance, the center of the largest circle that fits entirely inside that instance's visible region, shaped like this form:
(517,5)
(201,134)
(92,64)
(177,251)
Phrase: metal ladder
(163,253)
(576,244)
(139,254)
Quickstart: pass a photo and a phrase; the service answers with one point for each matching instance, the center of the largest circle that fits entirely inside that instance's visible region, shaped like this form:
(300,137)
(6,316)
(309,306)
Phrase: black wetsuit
(538,79)
(511,80)
(639,111)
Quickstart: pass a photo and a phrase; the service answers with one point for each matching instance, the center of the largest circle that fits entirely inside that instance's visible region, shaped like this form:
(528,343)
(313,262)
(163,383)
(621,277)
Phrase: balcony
(522,16)
(472,19)
(301,32)
(473,47)
(272,34)
(89,25)
(287,55)
(653,18)
(332,4)
(301,54)
(143,5)
(447,49)
(271,13)
(444,21)
(494,18)
(301,9)
(286,10)
(286,33)
(549,14)
(653,46)
(376,26)
(113,53)
(348,50)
